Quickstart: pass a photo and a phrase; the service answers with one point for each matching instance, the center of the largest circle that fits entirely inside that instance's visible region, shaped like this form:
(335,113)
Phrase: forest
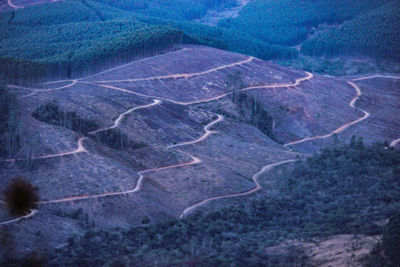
(84,36)
(74,49)
(288,22)
(80,43)
(177,10)
(348,186)
(375,34)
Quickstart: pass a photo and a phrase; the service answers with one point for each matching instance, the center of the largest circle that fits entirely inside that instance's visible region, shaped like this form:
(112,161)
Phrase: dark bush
(21,197)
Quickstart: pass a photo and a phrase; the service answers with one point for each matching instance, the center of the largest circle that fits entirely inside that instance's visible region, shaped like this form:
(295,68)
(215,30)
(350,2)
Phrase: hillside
(199,133)
(167,135)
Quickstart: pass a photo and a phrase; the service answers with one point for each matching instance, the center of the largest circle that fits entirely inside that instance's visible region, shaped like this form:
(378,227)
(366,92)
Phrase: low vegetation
(341,190)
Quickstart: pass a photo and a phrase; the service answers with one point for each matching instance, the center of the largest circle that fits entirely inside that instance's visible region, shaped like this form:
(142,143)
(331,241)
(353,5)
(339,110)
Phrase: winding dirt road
(341,128)
(183,75)
(352,105)
(275,85)
(33,212)
(80,149)
(376,76)
(194,160)
(207,132)
(122,116)
(255,180)
(10,3)
(38,90)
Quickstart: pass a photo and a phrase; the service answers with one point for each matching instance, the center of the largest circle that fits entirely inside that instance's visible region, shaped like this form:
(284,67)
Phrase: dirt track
(207,131)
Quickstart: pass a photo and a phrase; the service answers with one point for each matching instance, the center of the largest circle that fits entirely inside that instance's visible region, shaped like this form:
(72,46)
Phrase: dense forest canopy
(77,32)
(84,43)
(375,34)
(288,22)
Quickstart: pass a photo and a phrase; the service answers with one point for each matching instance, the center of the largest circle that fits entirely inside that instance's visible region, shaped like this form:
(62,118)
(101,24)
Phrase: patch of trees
(375,34)
(20,71)
(288,22)
(249,108)
(340,190)
(52,114)
(116,139)
(254,113)
(10,139)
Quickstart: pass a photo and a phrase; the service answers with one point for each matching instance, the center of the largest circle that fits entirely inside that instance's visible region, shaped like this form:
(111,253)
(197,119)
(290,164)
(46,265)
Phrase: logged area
(164,137)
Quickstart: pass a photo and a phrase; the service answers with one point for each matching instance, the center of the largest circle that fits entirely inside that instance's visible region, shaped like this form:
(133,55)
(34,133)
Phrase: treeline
(376,34)
(75,49)
(16,70)
(341,190)
(288,22)
(10,139)
(113,50)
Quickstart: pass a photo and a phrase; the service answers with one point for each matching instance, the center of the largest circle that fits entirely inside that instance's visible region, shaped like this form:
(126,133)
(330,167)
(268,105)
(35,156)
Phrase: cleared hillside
(163,137)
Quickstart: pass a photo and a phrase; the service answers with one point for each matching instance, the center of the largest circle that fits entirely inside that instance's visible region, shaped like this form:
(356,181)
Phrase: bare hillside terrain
(164,136)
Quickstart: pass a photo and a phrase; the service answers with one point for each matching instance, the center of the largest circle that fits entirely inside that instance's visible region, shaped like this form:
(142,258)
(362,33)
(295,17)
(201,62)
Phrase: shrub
(21,196)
